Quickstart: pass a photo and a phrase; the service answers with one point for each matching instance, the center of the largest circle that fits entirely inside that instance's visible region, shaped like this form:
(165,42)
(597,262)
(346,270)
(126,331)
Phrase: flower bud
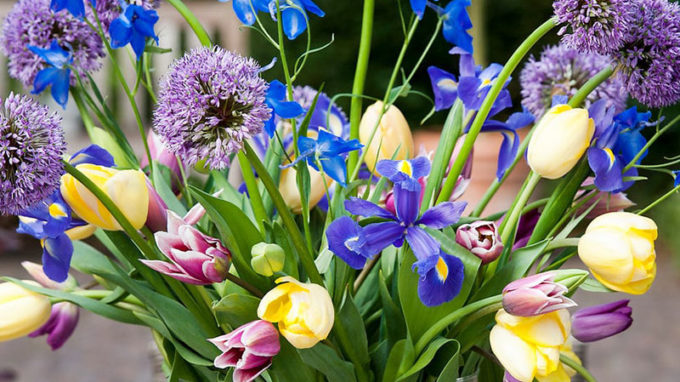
(392,139)
(535,295)
(157,217)
(559,141)
(161,154)
(304,311)
(291,194)
(618,249)
(60,326)
(604,202)
(126,188)
(482,239)
(37,273)
(601,321)
(21,311)
(267,259)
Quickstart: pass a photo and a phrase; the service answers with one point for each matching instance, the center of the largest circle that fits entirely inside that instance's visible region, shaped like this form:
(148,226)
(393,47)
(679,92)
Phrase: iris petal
(56,257)
(339,234)
(443,282)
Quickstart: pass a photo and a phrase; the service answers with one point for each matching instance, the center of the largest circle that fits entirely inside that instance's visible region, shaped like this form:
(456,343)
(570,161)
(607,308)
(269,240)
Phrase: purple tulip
(249,349)
(601,321)
(196,258)
(507,377)
(60,325)
(157,217)
(534,295)
(482,239)
(161,154)
(525,228)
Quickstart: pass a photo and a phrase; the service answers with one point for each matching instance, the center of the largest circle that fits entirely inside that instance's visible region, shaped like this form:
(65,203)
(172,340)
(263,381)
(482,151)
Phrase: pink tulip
(195,257)
(161,154)
(249,349)
(482,239)
(534,295)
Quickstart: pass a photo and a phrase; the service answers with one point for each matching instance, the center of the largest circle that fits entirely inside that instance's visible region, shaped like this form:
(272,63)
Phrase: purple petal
(443,282)
(381,235)
(341,233)
(444,87)
(360,207)
(173,271)
(443,214)
(407,202)
(422,244)
(600,309)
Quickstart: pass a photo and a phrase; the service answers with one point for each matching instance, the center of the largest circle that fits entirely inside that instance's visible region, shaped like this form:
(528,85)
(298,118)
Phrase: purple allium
(31,146)
(562,71)
(109,10)
(650,57)
(31,22)
(597,26)
(211,100)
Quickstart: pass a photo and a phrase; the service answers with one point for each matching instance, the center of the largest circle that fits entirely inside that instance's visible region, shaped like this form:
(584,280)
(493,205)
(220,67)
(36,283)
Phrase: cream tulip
(304,312)
(559,141)
(618,248)
(291,194)
(392,139)
(21,311)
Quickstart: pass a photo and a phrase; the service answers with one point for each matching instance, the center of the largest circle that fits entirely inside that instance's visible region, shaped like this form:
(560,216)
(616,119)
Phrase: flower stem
(578,367)
(508,225)
(651,141)
(484,110)
(360,76)
(245,285)
(590,85)
(661,199)
(452,317)
(561,243)
(193,22)
(253,192)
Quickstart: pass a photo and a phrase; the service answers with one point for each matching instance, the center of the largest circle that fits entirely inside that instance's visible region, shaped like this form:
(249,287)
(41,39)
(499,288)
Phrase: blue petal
(60,86)
(120,33)
(54,55)
(507,153)
(407,203)
(607,169)
(92,154)
(313,8)
(422,244)
(444,87)
(399,171)
(520,119)
(418,7)
(601,115)
(294,22)
(270,126)
(288,109)
(676,175)
(76,7)
(456,24)
(443,214)
(244,11)
(336,168)
(276,91)
(629,144)
(43,79)
(443,282)
(345,237)
(56,257)
(559,100)
(361,207)
(381,235)
(138,43)
(468,92)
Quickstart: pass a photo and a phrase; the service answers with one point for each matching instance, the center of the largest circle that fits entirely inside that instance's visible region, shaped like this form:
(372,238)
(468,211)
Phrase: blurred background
(101,350)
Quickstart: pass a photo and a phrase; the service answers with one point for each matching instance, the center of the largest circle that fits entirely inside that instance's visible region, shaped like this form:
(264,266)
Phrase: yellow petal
(606,251)
(392,139)
(516,356)
(21,311)
(129,192)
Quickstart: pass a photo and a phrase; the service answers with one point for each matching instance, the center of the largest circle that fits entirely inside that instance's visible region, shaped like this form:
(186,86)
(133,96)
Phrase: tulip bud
(37,273)
(559,141)
(304,311)
(60,326)
(249,349)
(463,180)
(482,239)
(618,249)
(291,194)
(267,259)
(126,188)
(102,138)
(604,202)
(392,139)
(601,321)
(535,295)
(157,217)
(161,154)
(21,311)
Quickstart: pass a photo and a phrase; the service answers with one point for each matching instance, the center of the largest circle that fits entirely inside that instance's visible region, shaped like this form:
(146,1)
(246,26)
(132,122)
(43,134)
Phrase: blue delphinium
(76,7)
(276,100)
(57,75)
(456,21)
(676,176)
(132,27)
(327,151)
(441,275)
(293,13)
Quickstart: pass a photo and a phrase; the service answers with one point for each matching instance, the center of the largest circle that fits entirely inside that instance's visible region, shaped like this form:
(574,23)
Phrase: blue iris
(293,13)
(57,75)
(326,150)
(441,274)
(132,27)
(276,100)
(76,7)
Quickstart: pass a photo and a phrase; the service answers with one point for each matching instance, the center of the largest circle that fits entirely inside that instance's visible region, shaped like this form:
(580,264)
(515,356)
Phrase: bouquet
(264,234)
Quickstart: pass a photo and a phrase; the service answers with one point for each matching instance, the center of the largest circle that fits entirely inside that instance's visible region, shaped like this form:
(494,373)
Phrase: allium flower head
(597,26)
(562,71)
(31,22)
(650,56)
(31,145)
(210,101)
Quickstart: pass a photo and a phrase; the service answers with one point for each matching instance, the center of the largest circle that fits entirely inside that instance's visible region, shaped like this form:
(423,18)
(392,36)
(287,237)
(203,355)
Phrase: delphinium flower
(210,101)
(650,56)
(57,75)
(76,7)
(596,25)
(561,70)
(294,13)
(32,22)
(441,275)
(456,21)
(333,120)
(276,100)
(133,26)
(109,10)
(31,145)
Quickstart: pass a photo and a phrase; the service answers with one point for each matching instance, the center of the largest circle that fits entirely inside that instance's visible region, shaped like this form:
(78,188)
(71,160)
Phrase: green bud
(267,259)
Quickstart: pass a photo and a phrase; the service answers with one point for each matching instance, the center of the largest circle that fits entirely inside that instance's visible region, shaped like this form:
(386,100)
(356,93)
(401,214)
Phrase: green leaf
(399,91)
(394,320)
(489,371)
(450,370)
(236,309)
(402,353)
(425,358)
(282,238)
(160,175)
(324,359)
(352,333)
(592,285)
(288,366)
(231,195)
(156,49)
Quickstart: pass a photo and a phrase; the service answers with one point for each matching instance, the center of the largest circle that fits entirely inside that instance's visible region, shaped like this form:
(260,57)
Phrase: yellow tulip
(127,189)
(559,141)
(392,140)
(291,194)
(304,311)
(529,347)
(82,232)
(21,311)
(618,248)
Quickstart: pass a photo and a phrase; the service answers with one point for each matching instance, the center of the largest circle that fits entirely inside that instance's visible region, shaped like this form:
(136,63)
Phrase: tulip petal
(608,254)
(516,356)
(128,190)
(173,271)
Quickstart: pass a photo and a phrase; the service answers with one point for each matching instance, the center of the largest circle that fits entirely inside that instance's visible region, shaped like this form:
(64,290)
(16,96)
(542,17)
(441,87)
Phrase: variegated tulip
(392,139)
(482,239)
(21,311)
(535,295)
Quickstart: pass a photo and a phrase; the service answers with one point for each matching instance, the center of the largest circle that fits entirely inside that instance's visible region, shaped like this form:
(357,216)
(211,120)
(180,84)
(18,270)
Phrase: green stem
(360,76)
(452,317)
(661,199)
(193,22)
(99,294)
(651,142)
(590,85)
(245,285)
(253,192)
(508,225)
(561,243)
(490,99)
(298,241)
(578,367)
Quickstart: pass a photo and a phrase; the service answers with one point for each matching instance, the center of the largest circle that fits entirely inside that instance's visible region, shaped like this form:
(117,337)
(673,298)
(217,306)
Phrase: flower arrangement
(265,234)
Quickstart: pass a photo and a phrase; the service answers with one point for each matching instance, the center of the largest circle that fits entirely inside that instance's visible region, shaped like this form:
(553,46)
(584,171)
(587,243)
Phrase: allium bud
(535,295)
(267,259)
(601,321)
(482,239)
